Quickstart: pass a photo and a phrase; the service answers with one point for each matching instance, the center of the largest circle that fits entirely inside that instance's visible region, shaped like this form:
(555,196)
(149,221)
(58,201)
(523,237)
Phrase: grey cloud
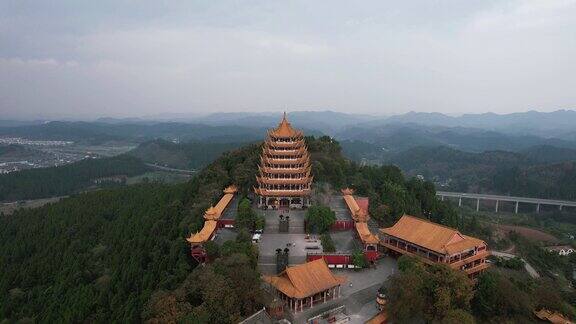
(126,58)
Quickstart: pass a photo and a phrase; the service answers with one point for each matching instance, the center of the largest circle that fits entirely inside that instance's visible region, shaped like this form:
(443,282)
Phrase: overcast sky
(132,58)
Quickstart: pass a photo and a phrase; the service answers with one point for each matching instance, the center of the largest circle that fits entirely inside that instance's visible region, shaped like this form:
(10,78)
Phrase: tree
(319,219)
(428,292)
(458,316)
(212,250)
(359,259)
(246,217)
(497,297)
(327,243)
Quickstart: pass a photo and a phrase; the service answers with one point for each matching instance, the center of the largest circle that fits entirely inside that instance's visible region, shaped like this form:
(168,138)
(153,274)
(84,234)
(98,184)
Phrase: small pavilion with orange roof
(305,285)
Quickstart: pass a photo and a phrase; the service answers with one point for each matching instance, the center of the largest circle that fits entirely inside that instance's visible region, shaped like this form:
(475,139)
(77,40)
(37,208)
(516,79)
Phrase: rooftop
(284,129)
(305,279)
(365,235)
(432,236)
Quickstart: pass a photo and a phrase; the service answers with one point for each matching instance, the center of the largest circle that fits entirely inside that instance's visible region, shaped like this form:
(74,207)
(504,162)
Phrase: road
(163,168)
(498,199)
(530,269)
(507,198)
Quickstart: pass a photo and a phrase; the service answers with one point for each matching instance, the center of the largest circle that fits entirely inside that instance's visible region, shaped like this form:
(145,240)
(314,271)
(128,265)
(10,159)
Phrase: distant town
(22,154)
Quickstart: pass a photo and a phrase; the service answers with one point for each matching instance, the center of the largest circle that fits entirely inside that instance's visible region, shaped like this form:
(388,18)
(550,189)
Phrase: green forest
(191,155)
(119,254)
(539,171)
(437,294)
(66,179)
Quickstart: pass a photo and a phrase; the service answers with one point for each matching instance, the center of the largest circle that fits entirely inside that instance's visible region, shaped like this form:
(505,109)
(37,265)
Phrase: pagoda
(284,177)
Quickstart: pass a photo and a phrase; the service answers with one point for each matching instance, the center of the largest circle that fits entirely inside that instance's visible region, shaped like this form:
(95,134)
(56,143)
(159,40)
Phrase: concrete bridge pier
(537,208)
(460,202)
(516,209)
(478,204)
(497,202)
(560,207)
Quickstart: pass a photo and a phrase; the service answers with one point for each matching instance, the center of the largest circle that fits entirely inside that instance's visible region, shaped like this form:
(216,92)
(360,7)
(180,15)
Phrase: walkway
(529,268)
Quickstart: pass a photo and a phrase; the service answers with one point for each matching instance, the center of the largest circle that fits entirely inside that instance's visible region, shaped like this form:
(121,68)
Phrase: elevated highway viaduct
(537,202)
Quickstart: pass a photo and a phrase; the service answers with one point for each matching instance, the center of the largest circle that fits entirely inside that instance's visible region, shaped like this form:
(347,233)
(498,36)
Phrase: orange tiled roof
(432,236)
(358,214)
(380,318)
(205,233)
(284,129)
(214,212)
(552,317)
(306,279)
(211,215)
(365,235)
(231,189)
(347,191)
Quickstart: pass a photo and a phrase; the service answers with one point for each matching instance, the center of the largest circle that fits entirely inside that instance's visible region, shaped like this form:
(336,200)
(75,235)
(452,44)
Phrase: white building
(561,249)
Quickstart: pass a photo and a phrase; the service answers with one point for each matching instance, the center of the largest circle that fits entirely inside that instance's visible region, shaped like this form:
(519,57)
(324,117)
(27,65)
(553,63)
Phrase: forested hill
(192,155)
(66,179)
(119,255)
(534,172)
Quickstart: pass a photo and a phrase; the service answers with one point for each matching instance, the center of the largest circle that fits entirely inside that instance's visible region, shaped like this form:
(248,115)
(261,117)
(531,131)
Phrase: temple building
(211,224)
(433,243)
(360,216)
(284,179)
(305,285)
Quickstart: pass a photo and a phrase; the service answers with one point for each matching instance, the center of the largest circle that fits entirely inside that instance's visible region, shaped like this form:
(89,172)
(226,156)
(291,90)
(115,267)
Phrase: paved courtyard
(358,294)
(339,207)
(346,241)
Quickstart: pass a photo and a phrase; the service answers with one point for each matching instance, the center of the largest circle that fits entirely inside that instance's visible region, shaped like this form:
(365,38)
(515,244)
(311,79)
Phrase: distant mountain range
(547,124)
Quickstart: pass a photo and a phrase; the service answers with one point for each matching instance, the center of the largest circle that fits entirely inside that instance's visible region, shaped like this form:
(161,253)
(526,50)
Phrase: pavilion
(304,285)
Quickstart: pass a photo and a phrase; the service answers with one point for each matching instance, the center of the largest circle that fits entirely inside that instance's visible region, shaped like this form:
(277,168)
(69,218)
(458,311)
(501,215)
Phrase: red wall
(223,222)
(331,258)
(372,255)
(342,224)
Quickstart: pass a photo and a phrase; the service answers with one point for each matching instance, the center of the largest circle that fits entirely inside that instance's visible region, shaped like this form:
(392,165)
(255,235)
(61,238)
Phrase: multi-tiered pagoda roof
(284,171)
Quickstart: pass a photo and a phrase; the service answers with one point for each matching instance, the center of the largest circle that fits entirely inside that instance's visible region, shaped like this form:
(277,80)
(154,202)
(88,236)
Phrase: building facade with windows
(434,243)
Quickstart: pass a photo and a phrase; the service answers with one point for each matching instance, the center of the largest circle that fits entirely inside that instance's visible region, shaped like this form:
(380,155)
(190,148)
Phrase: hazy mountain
(328,122)
(545,124)
(192,155)
(549,154)
(399,137)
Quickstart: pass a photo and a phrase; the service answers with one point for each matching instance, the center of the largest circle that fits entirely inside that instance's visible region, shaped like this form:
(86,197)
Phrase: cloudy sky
(86,59)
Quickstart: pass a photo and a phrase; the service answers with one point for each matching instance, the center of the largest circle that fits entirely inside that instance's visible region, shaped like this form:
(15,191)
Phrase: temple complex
(433,243)
(361,217)
(211,224)
(284,179)
(305,285)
